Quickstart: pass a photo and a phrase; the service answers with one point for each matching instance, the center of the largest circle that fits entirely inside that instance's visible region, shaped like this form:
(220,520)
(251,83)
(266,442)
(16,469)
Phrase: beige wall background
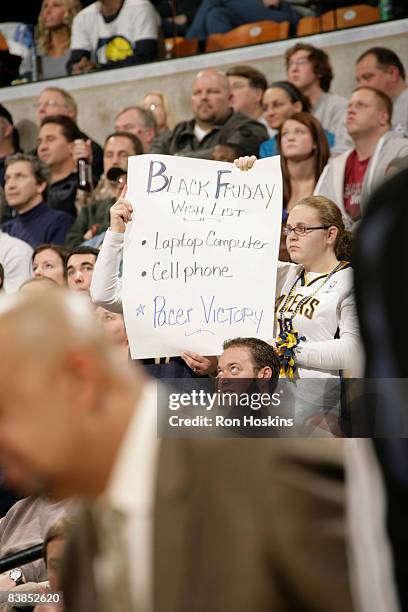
(101,95)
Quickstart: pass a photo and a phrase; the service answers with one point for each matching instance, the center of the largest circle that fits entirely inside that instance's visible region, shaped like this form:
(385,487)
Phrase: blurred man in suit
(172,525)
(378,468)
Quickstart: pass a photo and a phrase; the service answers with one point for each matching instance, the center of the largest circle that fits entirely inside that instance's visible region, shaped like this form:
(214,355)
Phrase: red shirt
(353,182)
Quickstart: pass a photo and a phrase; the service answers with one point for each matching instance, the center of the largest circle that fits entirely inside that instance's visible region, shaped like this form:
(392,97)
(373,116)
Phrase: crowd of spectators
(63,37)
(329,146)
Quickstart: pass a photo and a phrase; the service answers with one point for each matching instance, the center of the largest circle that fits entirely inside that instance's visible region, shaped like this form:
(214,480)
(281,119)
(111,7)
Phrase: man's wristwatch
(17,576)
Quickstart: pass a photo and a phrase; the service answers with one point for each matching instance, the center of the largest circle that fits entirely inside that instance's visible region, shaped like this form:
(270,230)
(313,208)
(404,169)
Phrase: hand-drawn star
(140,309)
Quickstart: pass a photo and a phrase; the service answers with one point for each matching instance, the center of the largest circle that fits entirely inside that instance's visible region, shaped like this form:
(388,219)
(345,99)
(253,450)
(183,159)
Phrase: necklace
(286,318)
(289,339)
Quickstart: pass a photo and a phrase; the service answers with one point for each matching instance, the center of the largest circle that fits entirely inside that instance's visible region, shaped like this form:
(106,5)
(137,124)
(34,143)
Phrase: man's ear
(71,146)
(259,95)
(8,129)
(265,372)
(151,134)
(384,117)
(41,187)
(394,73)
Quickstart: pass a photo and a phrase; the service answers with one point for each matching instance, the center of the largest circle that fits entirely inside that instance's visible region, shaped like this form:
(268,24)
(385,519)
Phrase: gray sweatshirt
(331,182)
(400,114)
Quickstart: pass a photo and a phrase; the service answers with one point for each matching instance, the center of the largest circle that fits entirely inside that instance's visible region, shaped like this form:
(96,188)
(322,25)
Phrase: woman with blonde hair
(158,104)
(53,36)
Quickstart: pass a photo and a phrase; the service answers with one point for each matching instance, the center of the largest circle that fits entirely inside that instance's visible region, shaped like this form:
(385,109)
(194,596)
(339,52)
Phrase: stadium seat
(308,25)
(177,46)
(356,15)
(345,17)
(314,25)
(3,43)
(248,34)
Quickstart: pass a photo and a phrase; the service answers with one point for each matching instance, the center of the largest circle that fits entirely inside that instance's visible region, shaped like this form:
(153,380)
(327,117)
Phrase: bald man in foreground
(214,122)
(171,525)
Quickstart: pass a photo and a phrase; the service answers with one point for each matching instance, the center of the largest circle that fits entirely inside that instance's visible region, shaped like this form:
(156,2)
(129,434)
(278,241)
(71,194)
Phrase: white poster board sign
(200,253)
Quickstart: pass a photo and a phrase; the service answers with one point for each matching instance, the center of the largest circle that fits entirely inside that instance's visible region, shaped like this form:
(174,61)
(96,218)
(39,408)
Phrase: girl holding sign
(316,327)
(315,320)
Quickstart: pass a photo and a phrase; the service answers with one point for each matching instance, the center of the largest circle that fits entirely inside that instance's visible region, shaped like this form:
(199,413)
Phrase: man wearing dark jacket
(58,101)
(214,123)
(27,179)
(55,148)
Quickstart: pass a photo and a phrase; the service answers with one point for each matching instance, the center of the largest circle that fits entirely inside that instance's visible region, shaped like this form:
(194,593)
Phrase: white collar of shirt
(199,133)
(131,487)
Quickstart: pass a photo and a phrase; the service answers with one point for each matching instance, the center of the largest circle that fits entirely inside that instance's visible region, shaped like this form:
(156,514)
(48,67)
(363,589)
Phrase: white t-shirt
(332,308)
(116,40)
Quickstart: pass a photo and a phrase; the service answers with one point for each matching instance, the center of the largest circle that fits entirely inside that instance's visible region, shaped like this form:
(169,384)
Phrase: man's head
(55,101)
(369,112)
(210,98)
(382,69)
(63,390)
(117,148)
(26,179)
(56,142)
(248,358)
(247,87)
(307,66)
(80,266)
(245,360)
(138,121)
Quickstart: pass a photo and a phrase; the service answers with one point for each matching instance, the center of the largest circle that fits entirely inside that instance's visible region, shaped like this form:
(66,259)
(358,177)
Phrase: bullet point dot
(143,273)
(143,242)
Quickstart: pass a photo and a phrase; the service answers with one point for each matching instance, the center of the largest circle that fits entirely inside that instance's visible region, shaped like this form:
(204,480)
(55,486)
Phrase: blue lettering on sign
(171,315)
(164,315)
(159,173)
(219,184)
(230,314)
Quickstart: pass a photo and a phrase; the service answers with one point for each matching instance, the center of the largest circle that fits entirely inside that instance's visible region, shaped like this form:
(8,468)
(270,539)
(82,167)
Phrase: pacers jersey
(321,311)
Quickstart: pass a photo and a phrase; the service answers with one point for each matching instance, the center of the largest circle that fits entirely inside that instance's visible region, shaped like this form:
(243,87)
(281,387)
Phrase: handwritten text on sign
(200,255)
